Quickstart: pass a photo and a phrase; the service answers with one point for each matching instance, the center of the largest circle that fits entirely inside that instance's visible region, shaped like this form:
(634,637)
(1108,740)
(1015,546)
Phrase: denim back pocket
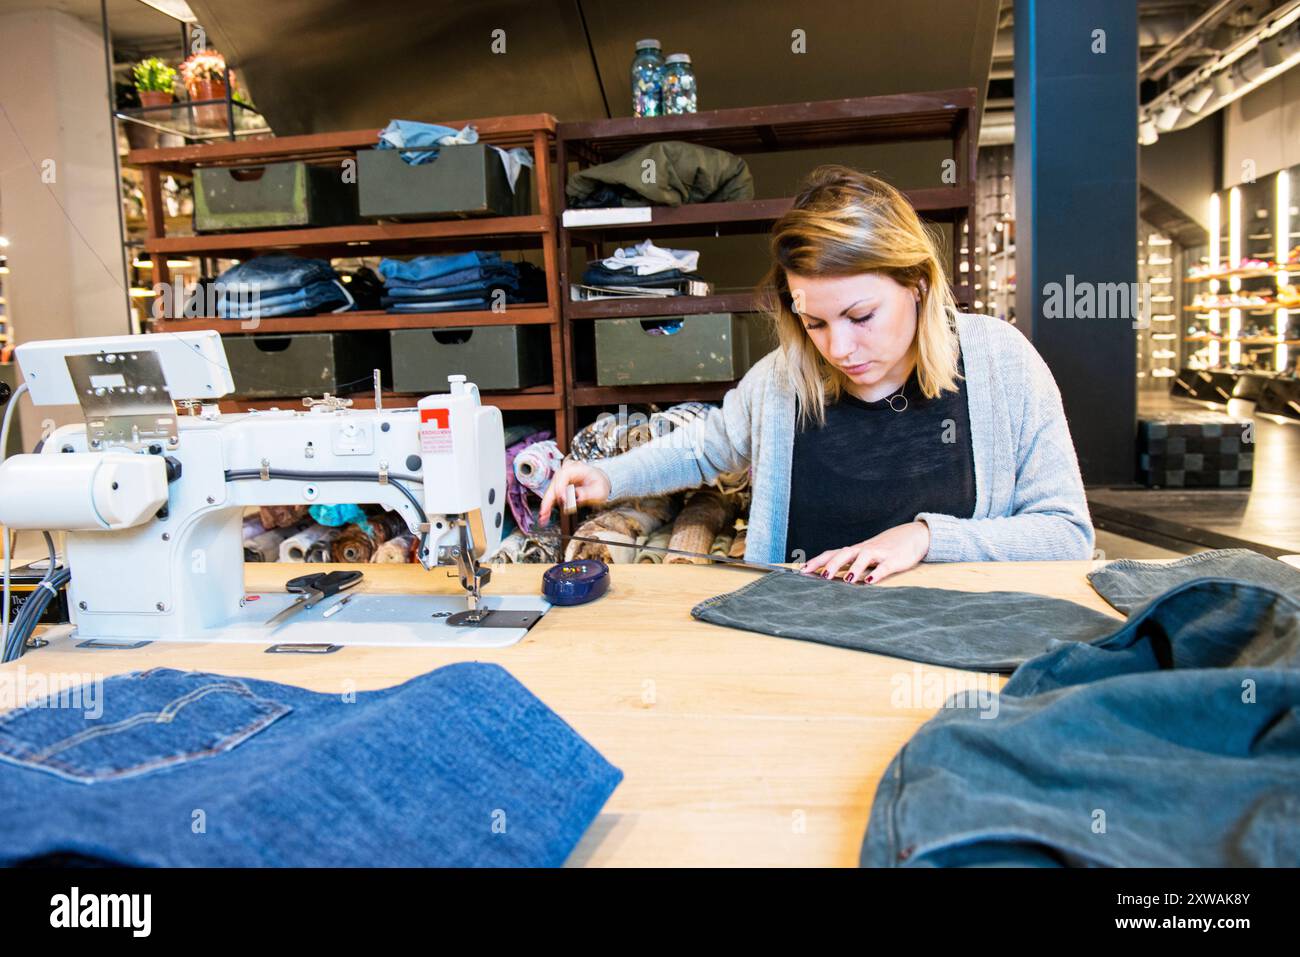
(136,724)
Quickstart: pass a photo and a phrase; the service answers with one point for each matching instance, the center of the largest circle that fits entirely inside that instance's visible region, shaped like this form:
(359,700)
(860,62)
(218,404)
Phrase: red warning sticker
(435,431)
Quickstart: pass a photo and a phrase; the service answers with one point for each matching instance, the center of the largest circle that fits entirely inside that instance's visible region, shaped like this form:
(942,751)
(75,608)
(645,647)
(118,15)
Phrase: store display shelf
(1260,273)
(361,321)
(1260,307)
(535,398)
(348,236)
(640,308)
(503,131)
(1252,340)
(939,204)
(590,394)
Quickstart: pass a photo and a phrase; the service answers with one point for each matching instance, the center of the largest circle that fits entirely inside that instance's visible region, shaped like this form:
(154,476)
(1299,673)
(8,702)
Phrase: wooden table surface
(737,749)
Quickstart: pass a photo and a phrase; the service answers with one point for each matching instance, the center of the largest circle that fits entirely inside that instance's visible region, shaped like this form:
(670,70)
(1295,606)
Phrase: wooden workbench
(737,748)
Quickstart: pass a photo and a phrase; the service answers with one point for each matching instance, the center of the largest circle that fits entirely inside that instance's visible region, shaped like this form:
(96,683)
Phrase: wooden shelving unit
(539,230)
(941,115)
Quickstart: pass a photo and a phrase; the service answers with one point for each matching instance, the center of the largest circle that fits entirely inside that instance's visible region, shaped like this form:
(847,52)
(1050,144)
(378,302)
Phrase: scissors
(312,589)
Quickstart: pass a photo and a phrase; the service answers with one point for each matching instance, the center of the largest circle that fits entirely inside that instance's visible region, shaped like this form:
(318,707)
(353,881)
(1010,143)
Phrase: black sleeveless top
(871,468)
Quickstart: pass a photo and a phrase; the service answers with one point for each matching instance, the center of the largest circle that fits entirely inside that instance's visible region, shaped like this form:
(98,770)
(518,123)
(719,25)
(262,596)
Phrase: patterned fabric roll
(253,526)
(296,546)
(395,551)
(282,516)
(516,494)
(737,549)
(266,547)
(722,544)
(536,464)
(659,539)
(621,525)
(320,549)
(706,514)
(352,546)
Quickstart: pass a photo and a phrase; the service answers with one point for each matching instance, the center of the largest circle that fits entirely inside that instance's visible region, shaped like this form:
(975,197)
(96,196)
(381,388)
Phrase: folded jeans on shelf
(430,267)
(312,298)
(459,767)
(267,275)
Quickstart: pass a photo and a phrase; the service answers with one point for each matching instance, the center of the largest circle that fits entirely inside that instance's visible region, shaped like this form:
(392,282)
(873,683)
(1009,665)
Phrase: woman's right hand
(589,482)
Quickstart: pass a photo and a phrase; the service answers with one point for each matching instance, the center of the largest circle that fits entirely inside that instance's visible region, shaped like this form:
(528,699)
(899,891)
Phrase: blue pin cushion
(576,582)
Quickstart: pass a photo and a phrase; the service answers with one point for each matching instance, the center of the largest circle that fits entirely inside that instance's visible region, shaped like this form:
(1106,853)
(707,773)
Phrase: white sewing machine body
(154,522)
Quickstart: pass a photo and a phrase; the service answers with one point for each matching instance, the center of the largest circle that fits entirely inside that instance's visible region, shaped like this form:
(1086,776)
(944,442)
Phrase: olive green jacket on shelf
(1029,499)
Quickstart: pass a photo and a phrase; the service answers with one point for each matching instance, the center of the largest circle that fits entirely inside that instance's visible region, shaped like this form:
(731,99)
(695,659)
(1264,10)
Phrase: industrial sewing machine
(151,492)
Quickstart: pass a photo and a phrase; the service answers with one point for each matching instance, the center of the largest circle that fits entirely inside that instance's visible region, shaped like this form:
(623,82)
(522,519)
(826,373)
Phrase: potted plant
(154,80)
(205,77)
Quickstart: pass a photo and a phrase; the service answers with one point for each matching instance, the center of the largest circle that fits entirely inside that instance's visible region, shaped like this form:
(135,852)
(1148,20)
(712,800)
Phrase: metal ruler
(721,559)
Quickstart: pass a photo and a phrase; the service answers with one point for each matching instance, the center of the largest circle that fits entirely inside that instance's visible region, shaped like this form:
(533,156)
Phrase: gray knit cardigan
(1029,499)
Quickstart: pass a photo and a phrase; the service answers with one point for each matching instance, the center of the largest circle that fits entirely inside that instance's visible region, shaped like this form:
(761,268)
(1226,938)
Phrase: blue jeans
(1128,584)
(1172,742)
(431,267)
(458,767)
(278,273)
(310,299)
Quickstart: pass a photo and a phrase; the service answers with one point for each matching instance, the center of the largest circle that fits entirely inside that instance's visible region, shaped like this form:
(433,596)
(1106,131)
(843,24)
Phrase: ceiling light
(1147,134)
(1168,116)
(1224,84)
(1198,98)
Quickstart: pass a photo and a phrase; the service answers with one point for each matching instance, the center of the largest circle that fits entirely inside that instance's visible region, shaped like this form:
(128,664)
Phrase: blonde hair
(844,223)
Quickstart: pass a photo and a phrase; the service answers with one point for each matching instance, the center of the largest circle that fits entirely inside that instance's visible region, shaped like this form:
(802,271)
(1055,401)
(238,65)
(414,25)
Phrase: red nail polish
(848,577)
(826,574)
(870,579)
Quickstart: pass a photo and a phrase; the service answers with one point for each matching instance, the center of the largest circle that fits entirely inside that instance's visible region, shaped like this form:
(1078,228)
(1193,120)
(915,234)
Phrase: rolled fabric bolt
(352,546)
(617,550)
(511,550)
(295,547)
(282,516)
(659,539)
(737,549)
(388,526)
(252,527)
(320,549)
(722,544)
(266,547)
(537,464)
(706,514)
(395,551)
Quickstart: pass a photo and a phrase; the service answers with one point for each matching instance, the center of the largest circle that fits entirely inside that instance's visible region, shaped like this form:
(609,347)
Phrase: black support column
(1076,160)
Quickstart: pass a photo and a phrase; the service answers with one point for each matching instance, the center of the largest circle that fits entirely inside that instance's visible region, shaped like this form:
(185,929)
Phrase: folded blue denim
(277,273)
(1172,742)
(466,304)
(318,296)
(458,767)
(485,273)
(1128,584)
(437,292)
(430,267)
(984,631)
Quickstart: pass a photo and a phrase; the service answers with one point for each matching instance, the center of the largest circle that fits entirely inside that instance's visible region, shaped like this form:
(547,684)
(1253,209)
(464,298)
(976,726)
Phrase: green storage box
(306,363)
(272,196)
(714,347)
(492,357)
(465,180)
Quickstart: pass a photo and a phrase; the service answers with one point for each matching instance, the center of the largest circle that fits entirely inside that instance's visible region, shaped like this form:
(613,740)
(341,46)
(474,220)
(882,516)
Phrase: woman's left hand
(895,550)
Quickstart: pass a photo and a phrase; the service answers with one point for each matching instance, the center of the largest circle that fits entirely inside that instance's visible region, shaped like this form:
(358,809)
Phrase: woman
(887,429)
